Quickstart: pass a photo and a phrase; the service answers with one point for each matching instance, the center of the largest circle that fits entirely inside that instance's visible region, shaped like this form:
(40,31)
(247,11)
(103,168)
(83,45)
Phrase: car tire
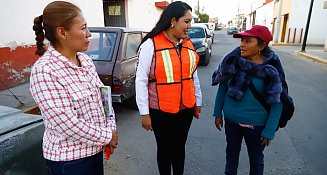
(206,59)
(131,103)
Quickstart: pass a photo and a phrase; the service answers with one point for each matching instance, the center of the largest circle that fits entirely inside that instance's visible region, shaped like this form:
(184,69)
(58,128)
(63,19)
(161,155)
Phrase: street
(301,148)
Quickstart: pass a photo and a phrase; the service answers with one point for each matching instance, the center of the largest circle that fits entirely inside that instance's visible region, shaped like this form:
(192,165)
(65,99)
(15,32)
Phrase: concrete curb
(280,44)
(312,57)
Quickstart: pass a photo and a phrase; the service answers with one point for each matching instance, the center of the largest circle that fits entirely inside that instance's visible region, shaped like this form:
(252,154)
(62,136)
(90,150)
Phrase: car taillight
(117,86)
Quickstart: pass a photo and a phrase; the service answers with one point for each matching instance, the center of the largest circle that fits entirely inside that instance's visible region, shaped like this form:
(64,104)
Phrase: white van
(211,27)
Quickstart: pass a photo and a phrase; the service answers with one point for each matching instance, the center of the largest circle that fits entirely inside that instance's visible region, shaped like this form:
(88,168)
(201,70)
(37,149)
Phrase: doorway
(114,13)
(284,27)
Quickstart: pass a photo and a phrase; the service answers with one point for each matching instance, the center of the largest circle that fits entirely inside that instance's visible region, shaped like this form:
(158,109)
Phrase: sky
(223,9)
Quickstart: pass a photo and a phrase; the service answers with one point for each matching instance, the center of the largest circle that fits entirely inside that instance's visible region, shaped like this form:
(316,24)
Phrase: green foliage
(203,17)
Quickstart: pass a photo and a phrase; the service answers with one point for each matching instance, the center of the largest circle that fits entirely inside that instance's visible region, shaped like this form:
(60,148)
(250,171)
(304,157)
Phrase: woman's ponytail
(38,29)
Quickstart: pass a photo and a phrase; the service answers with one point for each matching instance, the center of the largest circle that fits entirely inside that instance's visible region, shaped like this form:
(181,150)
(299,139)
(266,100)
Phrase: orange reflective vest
(174,74)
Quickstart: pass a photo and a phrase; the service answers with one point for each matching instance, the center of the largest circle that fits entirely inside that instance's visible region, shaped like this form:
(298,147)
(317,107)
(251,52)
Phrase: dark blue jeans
(84,166)
(252,136)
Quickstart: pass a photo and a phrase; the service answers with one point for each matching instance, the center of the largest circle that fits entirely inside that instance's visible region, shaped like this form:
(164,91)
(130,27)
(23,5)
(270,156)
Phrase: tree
(203,17)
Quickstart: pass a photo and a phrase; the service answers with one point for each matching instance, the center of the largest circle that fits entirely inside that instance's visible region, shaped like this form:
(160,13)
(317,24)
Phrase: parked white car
(211,28)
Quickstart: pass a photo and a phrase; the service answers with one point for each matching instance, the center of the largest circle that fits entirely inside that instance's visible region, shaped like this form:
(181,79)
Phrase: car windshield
(102,45)
(233,28)
(196,32)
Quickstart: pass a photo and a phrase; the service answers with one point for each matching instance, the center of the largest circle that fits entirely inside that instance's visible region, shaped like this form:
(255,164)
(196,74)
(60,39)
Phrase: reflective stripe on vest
(192,62)
(168,66)
(174,81)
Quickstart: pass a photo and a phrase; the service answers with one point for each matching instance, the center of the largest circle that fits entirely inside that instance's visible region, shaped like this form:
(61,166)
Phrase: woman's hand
(113,143)
(114,140)
(265,141)
(219,123)
(197,112)
(146,122)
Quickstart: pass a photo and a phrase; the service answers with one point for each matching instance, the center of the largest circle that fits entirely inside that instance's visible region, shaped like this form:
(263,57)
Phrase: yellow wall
(286,9)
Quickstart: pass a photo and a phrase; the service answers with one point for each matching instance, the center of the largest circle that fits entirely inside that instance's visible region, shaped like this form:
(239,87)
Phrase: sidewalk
(315,53)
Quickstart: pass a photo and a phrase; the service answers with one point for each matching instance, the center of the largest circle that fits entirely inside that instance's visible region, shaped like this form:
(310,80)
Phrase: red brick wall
(15,65)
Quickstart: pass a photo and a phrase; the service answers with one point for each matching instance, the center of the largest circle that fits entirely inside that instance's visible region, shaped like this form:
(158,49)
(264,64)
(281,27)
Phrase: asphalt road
(300,149)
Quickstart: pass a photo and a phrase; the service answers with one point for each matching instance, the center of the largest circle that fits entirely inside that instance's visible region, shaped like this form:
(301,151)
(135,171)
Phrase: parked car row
(202,42)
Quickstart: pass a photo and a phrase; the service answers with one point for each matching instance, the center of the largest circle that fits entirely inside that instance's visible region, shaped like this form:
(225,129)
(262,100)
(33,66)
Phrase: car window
(196,32)
(133,41)
(102,45)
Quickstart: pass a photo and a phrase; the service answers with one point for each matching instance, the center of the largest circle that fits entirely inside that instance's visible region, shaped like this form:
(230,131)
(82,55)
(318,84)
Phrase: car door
(128,64)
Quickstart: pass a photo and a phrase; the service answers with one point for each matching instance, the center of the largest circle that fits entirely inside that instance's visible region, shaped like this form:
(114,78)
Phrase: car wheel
(131,102)
(206,59)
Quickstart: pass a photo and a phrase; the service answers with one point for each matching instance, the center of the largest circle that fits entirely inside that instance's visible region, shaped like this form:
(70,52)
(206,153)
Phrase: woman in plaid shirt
(65,86)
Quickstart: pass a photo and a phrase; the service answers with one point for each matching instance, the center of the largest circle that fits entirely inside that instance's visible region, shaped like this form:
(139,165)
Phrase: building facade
(293,20)
(17,44)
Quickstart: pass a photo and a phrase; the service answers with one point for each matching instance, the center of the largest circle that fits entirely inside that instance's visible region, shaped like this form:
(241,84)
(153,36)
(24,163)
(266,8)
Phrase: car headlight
(201,49)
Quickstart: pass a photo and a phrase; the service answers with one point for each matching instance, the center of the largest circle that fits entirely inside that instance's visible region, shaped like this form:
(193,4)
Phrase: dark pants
(234,135)
(84,166)
(171,132)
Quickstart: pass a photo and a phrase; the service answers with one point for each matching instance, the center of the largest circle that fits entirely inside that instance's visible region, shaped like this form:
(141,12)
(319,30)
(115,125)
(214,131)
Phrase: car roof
(115,29)
(199,25)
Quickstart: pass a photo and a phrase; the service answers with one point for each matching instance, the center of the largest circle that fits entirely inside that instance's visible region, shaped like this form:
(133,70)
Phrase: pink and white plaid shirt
(70,102)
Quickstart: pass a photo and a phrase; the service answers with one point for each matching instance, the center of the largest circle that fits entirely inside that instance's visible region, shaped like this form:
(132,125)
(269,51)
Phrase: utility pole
(307,28)
(238,16)
(277,26)
(198,6)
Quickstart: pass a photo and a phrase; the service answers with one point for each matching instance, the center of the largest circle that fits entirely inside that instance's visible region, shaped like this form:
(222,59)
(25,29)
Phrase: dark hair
(55,14)
(176,9)
(263,43)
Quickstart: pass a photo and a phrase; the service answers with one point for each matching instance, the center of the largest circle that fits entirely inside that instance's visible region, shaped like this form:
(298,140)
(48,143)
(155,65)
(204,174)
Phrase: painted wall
(264,15)
(17,17)
(143,16)
(298,19)
(286,9)
(17,44)
(298,13)
(17,39)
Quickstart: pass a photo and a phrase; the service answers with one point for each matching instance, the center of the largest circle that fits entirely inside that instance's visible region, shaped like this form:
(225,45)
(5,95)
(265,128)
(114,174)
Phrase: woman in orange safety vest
(168,92)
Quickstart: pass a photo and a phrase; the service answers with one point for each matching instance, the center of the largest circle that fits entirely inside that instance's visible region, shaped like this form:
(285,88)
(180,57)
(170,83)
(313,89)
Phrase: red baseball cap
(258,31)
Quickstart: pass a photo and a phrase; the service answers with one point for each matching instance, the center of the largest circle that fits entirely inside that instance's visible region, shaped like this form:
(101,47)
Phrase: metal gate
(114,13)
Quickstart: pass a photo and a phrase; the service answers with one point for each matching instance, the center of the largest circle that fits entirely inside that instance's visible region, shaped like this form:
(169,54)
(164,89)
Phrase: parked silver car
(202,41)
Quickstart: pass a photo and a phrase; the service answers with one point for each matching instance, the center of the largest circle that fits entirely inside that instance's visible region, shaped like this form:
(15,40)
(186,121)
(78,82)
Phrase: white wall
(17,17)
(318,24)
(264,15)
(142,14)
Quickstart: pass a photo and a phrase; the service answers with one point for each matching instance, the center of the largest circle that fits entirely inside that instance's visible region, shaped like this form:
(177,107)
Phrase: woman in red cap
(246,68)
